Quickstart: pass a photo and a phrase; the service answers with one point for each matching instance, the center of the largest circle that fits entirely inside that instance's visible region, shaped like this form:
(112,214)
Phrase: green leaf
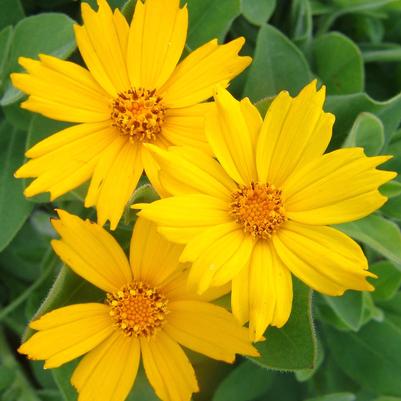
(5,43)
(245,383)
(49,33)
(209,19)
(278,65)
(392,208)
(368,133)
(62,377)
(334,397)
(391,189)
(258,11)
(387,398)
(371,357)
(142,391)
(304,375)
(292,347)
(347,107)
(11,12)
(348,308)
(14,208)
(371,231)
(388,280)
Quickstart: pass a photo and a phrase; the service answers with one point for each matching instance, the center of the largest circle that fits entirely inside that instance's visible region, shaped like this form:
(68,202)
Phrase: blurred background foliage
(332,349)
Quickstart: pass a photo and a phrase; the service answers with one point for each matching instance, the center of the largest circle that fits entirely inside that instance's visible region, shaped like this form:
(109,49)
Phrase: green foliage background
(332,349)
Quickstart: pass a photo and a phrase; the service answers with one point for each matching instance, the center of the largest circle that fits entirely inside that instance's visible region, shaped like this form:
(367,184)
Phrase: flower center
(138,309)
(138,113)
(258,208)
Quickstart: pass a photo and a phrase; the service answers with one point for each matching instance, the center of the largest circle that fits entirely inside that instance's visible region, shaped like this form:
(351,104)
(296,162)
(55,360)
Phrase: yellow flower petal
(324,258)
(91,252)
(230,139)
(191,211)
(168,369)
(252,118)
(108,372)
(62,84)
(240,295)
(295,131)
(270,290)
(195,78)
(220,255)
(341,186)
(66,333)
(114,180)
(153,258)
(192,171)
(209,330)
(99,43)
(67,159)
(156,40)
(186,126)
(152,171)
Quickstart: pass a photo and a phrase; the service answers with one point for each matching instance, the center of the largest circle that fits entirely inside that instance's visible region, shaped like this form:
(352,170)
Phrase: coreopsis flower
(147,312)
(261,210)
(132,93)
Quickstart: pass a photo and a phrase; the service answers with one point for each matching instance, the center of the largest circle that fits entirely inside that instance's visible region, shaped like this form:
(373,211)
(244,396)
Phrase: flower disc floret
(138,113)
(138,309)
(258,208)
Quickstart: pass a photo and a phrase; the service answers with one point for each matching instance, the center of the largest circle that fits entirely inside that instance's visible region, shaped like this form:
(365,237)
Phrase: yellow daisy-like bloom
(147,311)
(132,93)
(261,211)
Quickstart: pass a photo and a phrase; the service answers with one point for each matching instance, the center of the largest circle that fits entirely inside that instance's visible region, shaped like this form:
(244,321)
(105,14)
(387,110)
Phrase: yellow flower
(147,311)
(261,210)
(132,93)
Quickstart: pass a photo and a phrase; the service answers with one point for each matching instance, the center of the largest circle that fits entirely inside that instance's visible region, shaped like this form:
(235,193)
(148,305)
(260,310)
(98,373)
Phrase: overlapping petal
(230,139)
(108,371)
(66,159)
(195,78)
(168,369)
(61,90)
(208,329)
(341,186)
(295,131)
(156,40)
(101,43)
(68,332)
(323,257)
(91,252)
(153,258)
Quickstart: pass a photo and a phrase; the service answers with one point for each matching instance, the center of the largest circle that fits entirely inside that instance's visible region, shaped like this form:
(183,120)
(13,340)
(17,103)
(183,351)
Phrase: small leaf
(391,189)
(346,108)
(14,208)
(278,65)
(388,281)
(368,133)
(210,19)
(371,231)
(245,383)
(348,308)
(338,62)
(258,11)
(292,347)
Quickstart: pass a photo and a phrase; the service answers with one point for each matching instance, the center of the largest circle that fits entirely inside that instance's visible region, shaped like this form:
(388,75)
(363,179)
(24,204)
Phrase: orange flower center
(138,309)
(258,208)
(138,113)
